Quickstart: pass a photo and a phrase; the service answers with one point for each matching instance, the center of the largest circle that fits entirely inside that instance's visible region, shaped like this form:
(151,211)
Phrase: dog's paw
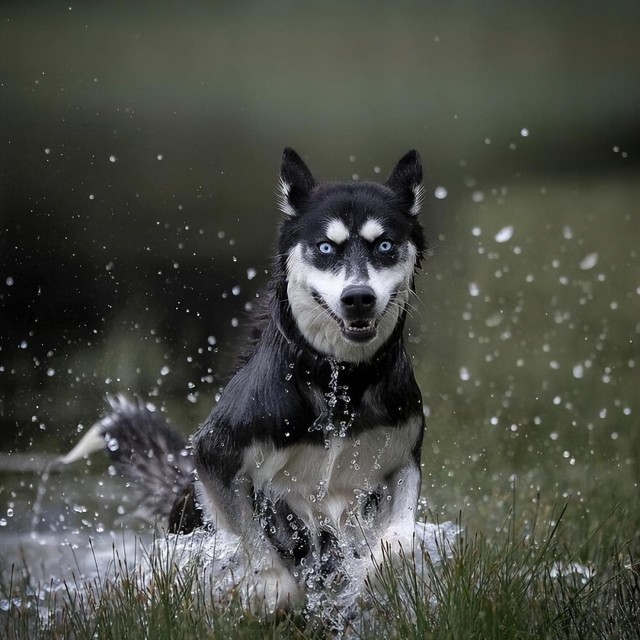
(274,589)
(392,554)
(394,545)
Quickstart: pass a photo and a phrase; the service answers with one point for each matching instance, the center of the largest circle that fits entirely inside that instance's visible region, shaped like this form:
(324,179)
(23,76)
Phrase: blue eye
(326,248)
(384,246)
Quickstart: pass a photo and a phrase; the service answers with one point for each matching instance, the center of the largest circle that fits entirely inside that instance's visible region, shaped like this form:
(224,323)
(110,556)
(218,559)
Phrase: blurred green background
(139,150)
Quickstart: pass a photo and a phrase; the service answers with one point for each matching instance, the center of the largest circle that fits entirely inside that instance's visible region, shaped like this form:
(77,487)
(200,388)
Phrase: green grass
(517,584)
(528,579)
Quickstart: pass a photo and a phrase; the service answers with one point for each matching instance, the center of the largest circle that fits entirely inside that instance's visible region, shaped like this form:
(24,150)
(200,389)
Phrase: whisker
(322,313)
(407,306)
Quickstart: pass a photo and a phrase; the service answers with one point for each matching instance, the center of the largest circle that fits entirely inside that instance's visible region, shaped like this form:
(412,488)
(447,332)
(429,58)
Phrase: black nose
(358,301)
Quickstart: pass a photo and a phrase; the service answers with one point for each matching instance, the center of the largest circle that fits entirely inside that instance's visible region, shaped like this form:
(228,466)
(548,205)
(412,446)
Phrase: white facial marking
(371,230)
(337,232)
(319,323)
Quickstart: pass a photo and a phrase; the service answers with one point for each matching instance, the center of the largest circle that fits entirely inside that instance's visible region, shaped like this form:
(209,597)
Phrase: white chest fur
(328,483)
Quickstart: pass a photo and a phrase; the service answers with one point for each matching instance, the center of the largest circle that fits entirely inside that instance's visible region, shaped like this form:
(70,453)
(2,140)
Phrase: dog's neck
(324,366)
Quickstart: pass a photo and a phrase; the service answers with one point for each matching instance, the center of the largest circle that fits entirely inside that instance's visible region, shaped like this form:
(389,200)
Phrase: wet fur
(315,442)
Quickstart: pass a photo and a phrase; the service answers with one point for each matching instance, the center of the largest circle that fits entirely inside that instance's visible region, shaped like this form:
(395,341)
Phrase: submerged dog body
(314,445)
(316,439)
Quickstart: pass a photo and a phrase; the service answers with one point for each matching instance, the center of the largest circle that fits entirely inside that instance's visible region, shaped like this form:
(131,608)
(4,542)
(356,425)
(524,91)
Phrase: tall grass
(523,581)
(516,585)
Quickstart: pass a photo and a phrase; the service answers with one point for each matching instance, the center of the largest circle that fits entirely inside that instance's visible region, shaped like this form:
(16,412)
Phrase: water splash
(331,598)
(338,414)
(38,504)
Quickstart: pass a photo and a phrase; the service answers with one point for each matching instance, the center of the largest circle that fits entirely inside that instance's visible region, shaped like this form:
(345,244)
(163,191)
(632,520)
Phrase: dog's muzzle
(358,305)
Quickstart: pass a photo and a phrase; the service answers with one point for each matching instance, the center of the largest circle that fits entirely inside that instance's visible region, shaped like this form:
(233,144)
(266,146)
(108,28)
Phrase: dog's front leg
(403,490)
(268,582)
(229,503)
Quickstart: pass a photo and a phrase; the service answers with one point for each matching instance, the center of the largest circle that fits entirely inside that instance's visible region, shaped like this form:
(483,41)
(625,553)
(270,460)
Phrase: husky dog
(314,445)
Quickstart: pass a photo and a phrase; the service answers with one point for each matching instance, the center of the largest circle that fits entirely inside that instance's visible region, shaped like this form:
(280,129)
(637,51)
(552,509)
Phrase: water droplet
(505,234)
(589,261)
(440,193)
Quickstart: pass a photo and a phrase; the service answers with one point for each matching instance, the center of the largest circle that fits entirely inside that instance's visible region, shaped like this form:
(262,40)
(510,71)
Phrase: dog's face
(351,252)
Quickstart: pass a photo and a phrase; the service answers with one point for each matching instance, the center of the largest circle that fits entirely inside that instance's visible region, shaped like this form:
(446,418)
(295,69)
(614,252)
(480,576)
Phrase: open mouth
(361,330)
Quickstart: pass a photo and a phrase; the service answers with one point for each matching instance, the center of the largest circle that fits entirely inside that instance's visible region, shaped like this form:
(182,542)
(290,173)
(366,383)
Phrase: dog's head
(349,253)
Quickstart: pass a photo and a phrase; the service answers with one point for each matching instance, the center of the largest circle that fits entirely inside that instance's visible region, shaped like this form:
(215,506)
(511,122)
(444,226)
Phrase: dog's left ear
(405,181)
(296,182)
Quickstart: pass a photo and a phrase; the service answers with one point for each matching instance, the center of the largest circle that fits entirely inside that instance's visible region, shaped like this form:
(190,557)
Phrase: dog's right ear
(296,182)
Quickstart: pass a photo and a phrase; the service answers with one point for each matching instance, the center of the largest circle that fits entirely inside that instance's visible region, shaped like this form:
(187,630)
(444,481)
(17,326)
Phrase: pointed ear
(405,181)
(296,182)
